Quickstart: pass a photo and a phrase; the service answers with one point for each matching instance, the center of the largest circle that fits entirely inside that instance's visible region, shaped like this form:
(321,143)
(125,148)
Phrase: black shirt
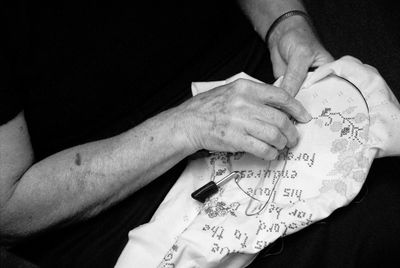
(88,73)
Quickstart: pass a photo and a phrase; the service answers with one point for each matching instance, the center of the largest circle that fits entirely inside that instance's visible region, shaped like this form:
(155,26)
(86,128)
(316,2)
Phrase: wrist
(288,22)
(182,128)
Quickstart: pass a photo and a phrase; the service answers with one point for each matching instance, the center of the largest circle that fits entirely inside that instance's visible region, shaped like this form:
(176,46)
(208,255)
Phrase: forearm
(83,180)
(262,13)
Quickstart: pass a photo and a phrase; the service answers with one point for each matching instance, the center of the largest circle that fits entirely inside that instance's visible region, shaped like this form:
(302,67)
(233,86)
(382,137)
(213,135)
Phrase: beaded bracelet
(283,17)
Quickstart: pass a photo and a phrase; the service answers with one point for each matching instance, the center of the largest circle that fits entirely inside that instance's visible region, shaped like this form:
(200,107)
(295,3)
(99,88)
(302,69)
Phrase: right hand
(242,116)
(294,48)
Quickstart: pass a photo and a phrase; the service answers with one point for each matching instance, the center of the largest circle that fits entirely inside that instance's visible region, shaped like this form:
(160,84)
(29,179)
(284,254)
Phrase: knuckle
(277,139)
(287,125)
(291,78)
(281,120)
(240,84)
(250,146)
(282,143)
(237,102)
(284,98)
(262,149)
(292,75)
(274,134)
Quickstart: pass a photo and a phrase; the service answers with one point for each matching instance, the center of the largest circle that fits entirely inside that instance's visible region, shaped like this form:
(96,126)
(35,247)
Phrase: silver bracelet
(284,17)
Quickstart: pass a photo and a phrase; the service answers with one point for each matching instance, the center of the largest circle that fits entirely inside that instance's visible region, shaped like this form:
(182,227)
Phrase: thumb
(295,74)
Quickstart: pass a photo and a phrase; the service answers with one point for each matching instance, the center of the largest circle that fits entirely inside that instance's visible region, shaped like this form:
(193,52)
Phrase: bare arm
(80,182)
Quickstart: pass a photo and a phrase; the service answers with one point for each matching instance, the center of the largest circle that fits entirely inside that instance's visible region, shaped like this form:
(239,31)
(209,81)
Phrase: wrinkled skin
(243,116)
(294,48)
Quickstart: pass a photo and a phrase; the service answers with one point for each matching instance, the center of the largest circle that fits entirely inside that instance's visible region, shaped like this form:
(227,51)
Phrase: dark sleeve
(10,104)
(12,34)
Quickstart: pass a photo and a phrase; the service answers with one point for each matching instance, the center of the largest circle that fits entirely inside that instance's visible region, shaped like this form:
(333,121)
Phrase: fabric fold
(355,119)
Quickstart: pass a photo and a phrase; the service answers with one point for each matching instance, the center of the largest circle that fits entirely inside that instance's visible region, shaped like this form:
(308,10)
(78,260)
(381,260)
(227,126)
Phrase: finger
(280,99)
(258,148)
(278,64)
(322,58)
(295,74)
(279,119)
(266,133)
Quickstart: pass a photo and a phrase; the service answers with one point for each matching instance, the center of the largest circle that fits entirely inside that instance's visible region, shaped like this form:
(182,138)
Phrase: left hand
(294,48)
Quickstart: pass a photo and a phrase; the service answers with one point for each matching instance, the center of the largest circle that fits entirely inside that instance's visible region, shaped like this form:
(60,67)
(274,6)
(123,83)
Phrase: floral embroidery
(360,117)
(351,162)
(214,208)
(350,159)
(339,145)
(362,161)
(358,175)
(339,186)
(353,145)
(343,123)
(220,171)
(349,110)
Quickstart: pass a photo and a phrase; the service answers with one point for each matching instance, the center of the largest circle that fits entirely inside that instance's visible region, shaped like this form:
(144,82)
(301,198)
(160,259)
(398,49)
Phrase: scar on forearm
(78,159)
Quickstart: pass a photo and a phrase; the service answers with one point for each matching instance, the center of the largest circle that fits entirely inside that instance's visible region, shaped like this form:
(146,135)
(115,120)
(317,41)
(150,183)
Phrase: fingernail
(273,154)
(307,116)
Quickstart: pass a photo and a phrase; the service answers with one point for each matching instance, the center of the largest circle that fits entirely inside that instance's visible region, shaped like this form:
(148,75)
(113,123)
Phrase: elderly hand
(242,116)
(294,48)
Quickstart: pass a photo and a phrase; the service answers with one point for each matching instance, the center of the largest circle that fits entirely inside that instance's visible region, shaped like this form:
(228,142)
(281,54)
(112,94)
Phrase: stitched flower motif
(349,110)
(214,208)
(342,122)
(339,145)
(337,185)
(360,117)
(354,145)
(220,171)
(358,175)
(345,165)
(362,161)
(340,187)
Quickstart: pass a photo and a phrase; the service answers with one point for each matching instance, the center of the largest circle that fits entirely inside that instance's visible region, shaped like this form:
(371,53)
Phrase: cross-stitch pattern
(272,195)
(342,123)
(324,172)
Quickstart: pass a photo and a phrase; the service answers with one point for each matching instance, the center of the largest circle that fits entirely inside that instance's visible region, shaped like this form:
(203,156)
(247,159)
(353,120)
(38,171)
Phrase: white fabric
(323,172)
